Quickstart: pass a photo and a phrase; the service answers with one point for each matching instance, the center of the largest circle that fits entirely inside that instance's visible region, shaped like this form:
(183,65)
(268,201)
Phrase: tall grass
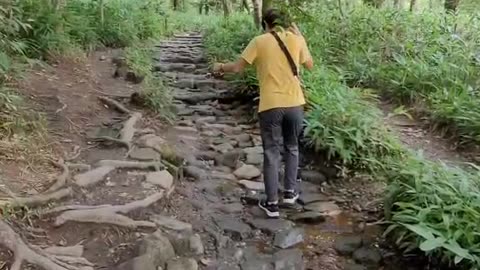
(427,60)
(432,208)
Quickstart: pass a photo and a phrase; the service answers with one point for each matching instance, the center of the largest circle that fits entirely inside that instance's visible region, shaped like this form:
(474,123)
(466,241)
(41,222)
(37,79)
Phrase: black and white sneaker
(271,209)
(290,197)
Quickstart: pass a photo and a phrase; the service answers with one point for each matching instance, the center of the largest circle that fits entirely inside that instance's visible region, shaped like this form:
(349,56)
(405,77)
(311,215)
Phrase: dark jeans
(280,126)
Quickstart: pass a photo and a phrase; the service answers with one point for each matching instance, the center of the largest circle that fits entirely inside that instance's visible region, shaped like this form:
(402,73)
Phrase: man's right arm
(305,56)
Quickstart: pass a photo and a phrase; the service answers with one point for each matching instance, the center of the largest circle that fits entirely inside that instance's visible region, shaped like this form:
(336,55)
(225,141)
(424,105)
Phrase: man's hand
(217,70)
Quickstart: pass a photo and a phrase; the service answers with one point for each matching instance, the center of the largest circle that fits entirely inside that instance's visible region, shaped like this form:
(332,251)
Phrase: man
(281,102)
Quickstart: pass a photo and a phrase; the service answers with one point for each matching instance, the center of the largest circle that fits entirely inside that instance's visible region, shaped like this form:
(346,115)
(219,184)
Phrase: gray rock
(367,256)
(220,140)
(313,176)
(182,264)
(158,247)
(232,208)
(254,159)
(242,138)
(223,148)
(252,185)
(309,217)
(162,179)
(171,223)
(353,266)
(257,264)
(237,229)
(229,159)
(327,208)
(186,244)
(247,172)
(223,176)
(288,238)
(144,262)
(289,259)
(254,150)
(346,245)
(245,144)
(144,154)
(195,172)
(184,129)
(307,198)
(271,225)
(206,155)
(205,119)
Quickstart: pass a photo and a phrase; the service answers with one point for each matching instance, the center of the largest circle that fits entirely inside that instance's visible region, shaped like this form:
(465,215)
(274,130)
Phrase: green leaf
(420,229)
(431,244)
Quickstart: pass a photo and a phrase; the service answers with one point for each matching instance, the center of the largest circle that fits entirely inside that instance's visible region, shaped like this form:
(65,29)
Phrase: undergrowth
(432,208)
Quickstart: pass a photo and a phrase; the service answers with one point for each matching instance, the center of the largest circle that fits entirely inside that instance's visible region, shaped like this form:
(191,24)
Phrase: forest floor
(144,195)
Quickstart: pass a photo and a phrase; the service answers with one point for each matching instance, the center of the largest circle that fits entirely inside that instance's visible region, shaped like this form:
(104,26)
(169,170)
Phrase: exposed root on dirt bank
(107,214)
(34,255)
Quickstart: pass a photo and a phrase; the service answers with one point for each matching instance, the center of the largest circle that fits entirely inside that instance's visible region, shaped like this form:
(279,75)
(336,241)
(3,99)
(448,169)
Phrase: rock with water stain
(271,226)
(288,238)
(288,259)
(327,208)
(162,179)
(309,197)
(247,172)
(182,264)
(346,245)
(313,176)
(308,217)
(367,256)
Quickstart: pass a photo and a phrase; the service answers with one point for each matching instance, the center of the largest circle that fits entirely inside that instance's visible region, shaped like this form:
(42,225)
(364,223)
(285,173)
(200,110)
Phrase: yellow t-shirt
(278,87)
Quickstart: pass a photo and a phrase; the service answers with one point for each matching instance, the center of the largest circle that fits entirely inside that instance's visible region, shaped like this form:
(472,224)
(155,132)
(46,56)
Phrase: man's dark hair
(274,17)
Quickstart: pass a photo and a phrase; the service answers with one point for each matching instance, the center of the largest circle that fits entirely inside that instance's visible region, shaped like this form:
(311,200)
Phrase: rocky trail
(139,195)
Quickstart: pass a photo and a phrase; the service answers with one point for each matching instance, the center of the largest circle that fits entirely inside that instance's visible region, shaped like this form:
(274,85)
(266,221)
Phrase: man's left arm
(248,57)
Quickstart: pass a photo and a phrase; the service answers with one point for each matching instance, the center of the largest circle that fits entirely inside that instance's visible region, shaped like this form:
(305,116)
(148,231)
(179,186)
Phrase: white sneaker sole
(291,201)
(268,212)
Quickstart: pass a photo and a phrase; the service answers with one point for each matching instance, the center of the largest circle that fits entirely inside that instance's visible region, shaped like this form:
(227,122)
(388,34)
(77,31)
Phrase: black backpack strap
(292,64)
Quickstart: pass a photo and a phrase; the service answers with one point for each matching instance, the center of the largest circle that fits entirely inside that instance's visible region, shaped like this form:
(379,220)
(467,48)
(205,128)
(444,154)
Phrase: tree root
(34,255)
(113,103)
(128,130)
(131,164)
(37,200)
(113,140)
(79,166)
(110,214)
(61,179)
(93,176)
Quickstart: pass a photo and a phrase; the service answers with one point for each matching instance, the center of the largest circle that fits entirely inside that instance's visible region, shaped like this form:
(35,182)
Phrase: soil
(67,94)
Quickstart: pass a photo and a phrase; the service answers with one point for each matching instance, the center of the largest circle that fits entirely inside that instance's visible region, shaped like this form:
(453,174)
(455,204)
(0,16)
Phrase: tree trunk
(375,3)
(412,4)
(245,5)
(396,3)
(226,7)
(175,4)
(257,12)
(451,5)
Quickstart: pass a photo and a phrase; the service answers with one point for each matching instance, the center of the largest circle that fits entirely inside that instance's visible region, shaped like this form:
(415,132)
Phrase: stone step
(180,67)
(187,59)
(204,84)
